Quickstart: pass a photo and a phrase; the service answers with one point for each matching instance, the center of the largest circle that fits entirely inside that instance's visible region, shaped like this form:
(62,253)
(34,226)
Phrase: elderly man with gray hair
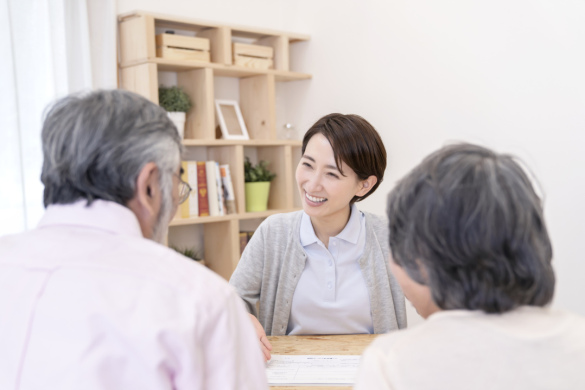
(470,248)
(89,300)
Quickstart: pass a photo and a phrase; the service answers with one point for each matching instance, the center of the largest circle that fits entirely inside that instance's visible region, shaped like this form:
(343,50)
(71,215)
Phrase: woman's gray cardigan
(274,259)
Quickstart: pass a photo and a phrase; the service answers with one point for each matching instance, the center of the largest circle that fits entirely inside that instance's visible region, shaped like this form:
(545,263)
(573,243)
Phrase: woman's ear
(367,185)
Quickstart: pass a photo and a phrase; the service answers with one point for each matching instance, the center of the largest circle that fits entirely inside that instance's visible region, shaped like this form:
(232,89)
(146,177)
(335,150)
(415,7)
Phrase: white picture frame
(230,119)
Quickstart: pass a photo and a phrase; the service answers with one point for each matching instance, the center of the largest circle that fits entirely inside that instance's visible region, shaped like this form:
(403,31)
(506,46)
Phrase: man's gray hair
(468,223)
(95,144)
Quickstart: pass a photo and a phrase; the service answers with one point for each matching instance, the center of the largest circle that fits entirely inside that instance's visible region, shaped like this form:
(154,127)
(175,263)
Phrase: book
(190,208)
(202,197)
(212,188)
(244,239)
(220,200)
(228,189)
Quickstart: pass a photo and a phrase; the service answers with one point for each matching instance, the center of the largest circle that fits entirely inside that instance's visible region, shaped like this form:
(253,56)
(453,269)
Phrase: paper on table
(312,369)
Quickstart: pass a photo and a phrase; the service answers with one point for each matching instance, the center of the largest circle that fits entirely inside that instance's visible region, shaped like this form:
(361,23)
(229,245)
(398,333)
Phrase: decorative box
(253,56)
(180,47)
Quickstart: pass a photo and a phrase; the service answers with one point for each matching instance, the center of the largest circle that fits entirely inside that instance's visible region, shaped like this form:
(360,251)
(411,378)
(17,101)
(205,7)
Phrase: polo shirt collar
(350,232)
(307,235)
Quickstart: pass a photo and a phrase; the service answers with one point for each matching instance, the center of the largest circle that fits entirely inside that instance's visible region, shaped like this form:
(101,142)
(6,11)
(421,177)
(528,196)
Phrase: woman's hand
(264,343)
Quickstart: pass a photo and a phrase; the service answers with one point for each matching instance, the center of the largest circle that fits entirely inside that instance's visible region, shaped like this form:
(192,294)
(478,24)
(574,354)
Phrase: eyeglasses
(184,189)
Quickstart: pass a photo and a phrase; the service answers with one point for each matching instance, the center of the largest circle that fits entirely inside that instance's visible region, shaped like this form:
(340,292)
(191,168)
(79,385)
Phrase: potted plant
(191,253)
(257,181)
(176,102)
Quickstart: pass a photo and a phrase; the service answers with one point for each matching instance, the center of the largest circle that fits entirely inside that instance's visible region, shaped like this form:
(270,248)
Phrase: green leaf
(174,99)
(191,253)
(258,172)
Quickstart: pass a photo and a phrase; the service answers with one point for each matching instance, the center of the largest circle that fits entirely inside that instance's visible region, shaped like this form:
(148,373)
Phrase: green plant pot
(257,196)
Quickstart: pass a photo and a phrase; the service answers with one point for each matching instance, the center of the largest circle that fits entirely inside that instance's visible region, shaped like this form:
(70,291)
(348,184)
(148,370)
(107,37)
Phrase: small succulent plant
(258,172)
(174,99)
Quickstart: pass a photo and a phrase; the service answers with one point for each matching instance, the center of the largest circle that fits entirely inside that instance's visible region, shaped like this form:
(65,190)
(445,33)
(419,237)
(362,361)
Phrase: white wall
(506,74)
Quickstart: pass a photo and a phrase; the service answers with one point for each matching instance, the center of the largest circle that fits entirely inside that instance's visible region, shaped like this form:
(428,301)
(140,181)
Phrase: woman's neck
(330,226)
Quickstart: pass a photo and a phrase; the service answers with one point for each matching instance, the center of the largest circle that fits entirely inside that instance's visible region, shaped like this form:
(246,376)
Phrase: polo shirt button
(329,285)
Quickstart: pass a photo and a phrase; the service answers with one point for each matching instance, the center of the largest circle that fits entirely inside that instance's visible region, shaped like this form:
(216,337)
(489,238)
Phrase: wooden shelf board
(165,64)
(229,142)
(240,216)
(169,21)
(198,220)
(264,214)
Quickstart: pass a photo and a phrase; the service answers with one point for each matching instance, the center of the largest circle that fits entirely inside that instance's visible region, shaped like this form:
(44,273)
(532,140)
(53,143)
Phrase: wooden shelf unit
(139,69)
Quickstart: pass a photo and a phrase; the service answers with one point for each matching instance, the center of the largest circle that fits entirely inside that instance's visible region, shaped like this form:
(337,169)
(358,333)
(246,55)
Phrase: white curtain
(49,48)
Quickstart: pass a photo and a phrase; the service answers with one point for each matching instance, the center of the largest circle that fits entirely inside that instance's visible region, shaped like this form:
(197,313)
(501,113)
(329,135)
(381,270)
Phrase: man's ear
(148,187)
(367,185)
(146,202)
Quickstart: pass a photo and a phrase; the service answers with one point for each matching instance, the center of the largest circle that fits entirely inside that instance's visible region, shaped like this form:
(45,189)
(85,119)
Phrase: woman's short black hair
(468,223)
(355,142)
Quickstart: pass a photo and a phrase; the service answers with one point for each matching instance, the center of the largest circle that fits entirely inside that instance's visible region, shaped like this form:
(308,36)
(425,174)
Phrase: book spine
(228,188)
(243,241)
(193,200)
(202,189)
(212,188)
(219,187)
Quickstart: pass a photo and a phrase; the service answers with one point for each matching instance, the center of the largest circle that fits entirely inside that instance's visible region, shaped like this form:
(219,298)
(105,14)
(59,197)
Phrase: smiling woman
(324,270)
(343,161)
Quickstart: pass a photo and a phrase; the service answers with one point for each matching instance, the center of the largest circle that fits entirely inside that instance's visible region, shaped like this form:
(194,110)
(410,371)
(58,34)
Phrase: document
(312,370)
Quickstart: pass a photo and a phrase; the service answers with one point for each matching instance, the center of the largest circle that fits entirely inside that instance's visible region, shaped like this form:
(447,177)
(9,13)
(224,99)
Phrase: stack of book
(212,189)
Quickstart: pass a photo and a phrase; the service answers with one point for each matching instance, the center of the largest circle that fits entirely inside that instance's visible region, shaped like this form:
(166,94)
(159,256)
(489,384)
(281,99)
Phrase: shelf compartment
(279,161)
(141,79)
(258,105)
(133,49)
(198,83)
(222,247)
(280,45)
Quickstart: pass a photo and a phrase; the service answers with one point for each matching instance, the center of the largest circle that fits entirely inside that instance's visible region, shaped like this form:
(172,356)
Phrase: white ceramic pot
(178,119)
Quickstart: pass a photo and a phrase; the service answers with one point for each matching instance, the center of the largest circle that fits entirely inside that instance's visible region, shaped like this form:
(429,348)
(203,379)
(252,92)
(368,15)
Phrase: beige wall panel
(200,119)
(222,247)
(281,51)
(258,105)
(137,39)
(220,39)
(281,188)
(141,79)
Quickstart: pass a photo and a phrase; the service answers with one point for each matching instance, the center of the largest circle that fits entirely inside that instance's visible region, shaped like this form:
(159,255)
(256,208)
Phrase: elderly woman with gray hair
(470,249)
